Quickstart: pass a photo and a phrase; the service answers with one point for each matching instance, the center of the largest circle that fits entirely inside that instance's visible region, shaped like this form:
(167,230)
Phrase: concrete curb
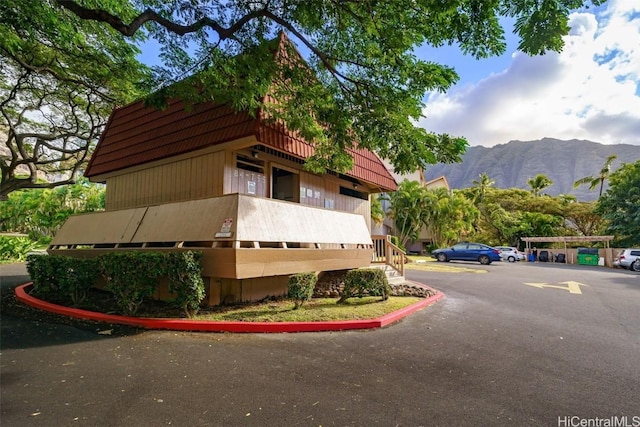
(240,327)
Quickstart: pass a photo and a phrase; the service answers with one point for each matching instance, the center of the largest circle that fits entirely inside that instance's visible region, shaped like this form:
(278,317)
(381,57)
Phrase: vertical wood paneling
(215,174)
(184,180)
(314,186)
(221,167)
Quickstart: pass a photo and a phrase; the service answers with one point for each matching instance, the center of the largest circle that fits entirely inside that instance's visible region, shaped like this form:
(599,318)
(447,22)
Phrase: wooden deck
(240,236)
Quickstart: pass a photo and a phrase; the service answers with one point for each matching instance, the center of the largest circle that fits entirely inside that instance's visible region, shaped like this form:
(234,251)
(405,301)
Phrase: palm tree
(407,210)
(593,181)
(449,216)
(377,211)
(539,183)
(482,184)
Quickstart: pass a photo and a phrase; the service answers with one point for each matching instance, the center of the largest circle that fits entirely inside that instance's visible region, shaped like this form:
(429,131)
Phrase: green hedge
(365,282)
(300,287)
(132,277)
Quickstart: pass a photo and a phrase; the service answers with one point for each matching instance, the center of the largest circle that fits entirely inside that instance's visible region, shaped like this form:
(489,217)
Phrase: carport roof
(565,239)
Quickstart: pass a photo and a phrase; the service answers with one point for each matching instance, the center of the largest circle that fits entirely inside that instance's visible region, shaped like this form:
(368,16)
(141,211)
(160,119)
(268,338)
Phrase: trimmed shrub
(300,287)
(131,277)
(45,272)
(185,280)
(78,276)
(365,282)
(62,276)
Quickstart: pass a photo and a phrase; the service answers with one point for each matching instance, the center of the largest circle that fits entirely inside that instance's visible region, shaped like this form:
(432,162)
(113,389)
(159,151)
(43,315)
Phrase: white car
(629,259)
(510,254)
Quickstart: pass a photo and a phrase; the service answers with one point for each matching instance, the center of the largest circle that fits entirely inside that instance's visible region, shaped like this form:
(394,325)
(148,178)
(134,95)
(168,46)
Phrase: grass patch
(315,310)
(270,310)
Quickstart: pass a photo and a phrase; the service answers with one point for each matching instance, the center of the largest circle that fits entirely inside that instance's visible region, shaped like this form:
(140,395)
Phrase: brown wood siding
(187,179)
(314,190)
(355,205)
(241,181)
(328,191)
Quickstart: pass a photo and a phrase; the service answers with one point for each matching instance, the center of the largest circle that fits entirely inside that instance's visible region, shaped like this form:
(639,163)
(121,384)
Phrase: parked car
(510,254)
(629,259)
(466,251)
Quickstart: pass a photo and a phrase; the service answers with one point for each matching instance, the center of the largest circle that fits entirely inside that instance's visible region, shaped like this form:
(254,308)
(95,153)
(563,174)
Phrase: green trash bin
(588,256)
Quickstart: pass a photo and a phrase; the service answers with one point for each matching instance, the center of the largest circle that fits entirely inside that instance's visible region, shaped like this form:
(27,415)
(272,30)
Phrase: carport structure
(607,255)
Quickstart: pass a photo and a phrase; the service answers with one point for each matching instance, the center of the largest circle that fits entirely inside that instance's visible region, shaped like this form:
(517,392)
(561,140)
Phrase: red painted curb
(205,326)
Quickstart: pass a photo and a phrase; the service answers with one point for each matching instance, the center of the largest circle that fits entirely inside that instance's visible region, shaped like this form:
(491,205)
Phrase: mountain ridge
(511,164)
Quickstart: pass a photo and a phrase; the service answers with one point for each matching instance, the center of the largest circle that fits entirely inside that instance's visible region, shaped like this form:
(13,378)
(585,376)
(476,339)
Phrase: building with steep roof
(232,185)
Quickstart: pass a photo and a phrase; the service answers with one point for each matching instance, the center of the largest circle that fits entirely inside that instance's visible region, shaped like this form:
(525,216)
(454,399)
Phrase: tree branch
(151,16)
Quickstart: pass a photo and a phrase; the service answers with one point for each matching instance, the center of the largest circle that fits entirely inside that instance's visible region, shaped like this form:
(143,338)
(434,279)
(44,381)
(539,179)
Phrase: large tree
(366,87)
(620,204)
(60,78)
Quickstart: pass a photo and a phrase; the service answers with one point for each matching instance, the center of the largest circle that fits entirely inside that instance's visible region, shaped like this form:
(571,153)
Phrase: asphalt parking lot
(505,347)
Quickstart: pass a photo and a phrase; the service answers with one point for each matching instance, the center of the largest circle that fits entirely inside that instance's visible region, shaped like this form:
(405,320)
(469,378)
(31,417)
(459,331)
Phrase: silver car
(629,259)
(511,254)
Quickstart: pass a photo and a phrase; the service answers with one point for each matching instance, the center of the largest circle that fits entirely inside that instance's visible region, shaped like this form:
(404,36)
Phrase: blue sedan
(468,252)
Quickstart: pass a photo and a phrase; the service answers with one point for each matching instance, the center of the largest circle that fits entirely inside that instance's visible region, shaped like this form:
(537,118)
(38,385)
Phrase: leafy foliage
(185,280)
(507,215)
(60,79)
(46,273)
(365,282)
(15,248)
(407,210)
(446,216)
(539,183)
(300,287)
(449,216)
(132,277)
(377,211)
(62,276)
(593,181)
(41,212)
(481,185)
(583,217)
(620,204)
(365,86)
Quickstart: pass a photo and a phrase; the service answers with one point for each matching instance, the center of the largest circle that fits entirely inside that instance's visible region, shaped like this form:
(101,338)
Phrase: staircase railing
(388,253)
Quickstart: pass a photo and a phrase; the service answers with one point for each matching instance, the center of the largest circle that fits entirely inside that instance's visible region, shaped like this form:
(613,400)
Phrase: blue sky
(591,90)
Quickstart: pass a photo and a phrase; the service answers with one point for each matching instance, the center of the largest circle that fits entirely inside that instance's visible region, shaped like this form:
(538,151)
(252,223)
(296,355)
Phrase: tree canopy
(620,204)
(366,87)
(60,78)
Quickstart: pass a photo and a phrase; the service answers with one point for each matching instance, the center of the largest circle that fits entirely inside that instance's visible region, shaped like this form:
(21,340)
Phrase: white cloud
(589,91)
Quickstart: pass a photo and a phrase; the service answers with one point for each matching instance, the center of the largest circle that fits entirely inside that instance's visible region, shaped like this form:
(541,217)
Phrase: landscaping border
(238,327)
